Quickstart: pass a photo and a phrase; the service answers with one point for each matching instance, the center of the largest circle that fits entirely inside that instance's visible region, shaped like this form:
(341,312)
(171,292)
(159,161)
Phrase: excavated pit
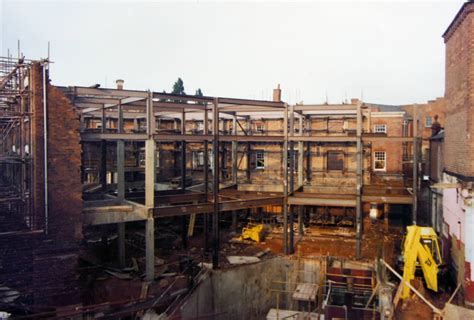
(301,288)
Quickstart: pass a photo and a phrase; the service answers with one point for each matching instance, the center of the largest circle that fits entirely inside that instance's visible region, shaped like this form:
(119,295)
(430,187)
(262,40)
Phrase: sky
(383,52)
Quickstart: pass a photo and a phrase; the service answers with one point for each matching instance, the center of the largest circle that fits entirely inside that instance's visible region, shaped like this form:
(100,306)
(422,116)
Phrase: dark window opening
(335,160)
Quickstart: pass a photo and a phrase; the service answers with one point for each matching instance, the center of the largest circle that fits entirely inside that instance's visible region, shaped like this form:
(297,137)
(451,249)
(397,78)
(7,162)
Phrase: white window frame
(378,155)
(260,156)
(426,121)
(380,128)
(260,127)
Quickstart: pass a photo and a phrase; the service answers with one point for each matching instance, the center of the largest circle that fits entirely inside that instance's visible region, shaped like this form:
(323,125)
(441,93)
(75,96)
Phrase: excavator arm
(416,250)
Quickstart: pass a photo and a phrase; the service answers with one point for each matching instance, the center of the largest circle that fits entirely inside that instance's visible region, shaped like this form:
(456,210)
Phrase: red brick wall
(64,161)
(459,93)
(53,264)
(392,148)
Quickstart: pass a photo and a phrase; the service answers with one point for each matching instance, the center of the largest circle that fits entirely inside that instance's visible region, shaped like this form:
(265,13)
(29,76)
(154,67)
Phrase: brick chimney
(119,83)
(354,101)
(277,94)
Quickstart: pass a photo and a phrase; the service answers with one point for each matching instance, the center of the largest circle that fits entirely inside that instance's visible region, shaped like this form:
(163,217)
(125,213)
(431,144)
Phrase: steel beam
(201,208)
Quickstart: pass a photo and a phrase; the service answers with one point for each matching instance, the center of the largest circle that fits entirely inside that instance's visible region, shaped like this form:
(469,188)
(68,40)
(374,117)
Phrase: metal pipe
(45,145)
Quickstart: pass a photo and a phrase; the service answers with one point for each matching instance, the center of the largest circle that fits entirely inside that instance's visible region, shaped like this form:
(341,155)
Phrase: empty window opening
(335,161)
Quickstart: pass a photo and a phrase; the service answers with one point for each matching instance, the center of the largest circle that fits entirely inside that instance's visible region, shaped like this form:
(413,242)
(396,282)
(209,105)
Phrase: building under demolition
(119,203)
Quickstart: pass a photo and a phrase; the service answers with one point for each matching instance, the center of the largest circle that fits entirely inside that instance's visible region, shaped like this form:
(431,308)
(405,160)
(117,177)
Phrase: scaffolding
(15,143)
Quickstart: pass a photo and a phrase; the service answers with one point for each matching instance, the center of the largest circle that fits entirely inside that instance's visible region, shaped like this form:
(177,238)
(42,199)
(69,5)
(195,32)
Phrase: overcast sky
(389,52)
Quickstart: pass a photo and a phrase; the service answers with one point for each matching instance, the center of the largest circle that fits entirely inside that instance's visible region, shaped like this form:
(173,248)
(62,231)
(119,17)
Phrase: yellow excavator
(253,231)
(421,250)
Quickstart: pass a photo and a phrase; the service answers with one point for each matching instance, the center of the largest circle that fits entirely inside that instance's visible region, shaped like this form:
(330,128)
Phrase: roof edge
(462,13)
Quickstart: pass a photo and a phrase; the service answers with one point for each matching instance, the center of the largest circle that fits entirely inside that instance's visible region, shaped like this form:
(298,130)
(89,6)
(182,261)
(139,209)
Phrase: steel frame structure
(150,106)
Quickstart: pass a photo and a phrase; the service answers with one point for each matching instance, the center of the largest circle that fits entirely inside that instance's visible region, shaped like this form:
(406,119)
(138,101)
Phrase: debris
(119,275)
(163,283)
(159,262)
(206,265)
(242,259)
(178,292)
(305,292)
(238,240)
(152,315)
(262,253)
(169,274)
(8,295)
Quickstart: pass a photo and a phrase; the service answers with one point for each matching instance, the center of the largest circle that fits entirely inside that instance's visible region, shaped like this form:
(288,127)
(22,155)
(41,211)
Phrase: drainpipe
(45,134)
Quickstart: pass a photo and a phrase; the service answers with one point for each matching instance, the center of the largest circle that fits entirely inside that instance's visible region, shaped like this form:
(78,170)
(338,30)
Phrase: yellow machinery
(253,231)
(421,249)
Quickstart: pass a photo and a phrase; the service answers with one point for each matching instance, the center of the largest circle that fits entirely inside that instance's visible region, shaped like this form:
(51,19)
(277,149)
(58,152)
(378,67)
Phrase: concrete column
(120,117)
(150,249)
(121,197)
(150,167)
(120,170)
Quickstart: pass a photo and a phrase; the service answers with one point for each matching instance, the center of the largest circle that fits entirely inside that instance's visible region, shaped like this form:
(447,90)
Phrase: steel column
(285,181)
(215,185)
(359,183)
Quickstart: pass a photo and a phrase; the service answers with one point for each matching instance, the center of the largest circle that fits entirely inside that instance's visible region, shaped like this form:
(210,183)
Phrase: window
(380,128)
(428,121)
(200,126)
(198,159)
(335,161)
(260,160)
(259,126)
(380,160)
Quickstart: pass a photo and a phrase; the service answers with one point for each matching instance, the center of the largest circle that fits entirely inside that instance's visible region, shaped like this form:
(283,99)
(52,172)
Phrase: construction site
(134,204)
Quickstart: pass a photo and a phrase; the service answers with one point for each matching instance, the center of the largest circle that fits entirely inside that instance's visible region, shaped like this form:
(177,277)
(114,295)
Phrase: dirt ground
(341,242)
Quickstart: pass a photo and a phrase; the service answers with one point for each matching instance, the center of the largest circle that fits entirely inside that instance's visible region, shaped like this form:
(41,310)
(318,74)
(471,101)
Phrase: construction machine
(421,250)
(253,231)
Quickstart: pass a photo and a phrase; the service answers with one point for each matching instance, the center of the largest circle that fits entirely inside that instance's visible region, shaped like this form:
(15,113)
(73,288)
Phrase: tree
(178,87)
(199,94)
